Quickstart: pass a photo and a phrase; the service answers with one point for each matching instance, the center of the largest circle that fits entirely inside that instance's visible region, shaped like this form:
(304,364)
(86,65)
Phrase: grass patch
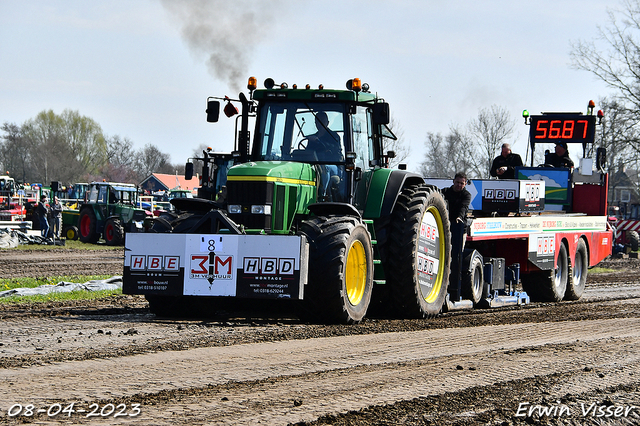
(601,270)
(11,283)
(54,297)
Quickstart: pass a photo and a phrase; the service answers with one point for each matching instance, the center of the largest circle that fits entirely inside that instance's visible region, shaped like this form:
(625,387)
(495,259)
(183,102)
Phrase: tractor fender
(386,186)
(329,208)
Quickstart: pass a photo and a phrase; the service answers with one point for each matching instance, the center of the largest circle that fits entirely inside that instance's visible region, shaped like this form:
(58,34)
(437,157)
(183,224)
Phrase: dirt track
(479,367)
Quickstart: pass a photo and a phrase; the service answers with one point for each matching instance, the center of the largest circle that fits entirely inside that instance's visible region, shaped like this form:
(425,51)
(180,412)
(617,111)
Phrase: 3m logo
(211,266)
(154,263)
(268,266)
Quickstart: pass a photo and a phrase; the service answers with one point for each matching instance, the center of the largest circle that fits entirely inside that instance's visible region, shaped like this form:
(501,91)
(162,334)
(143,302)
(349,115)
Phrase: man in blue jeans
(43,211)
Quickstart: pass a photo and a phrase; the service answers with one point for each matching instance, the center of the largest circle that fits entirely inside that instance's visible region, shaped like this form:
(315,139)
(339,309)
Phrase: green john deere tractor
(312,214)
(109,211)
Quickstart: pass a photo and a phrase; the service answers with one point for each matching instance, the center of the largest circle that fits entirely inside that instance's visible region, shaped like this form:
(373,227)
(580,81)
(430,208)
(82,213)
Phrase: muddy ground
(565,363)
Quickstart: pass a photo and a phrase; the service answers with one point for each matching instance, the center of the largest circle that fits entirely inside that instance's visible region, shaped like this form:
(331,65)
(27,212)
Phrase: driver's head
(321,119)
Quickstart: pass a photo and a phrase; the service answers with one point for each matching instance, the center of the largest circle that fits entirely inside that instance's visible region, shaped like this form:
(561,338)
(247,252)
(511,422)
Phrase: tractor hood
(287,172)
(267,195)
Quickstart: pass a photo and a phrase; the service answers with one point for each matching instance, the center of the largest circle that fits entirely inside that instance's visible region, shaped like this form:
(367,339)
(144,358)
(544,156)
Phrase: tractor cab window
(102,195)
(302,131)
(128,197)
(362,140)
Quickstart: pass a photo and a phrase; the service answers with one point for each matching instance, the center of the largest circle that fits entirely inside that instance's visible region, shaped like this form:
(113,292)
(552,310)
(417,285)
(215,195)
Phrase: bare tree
(151,160)
(618,65)
(445,155)
(486,134)
(14,156)
(396,145)
(121,166)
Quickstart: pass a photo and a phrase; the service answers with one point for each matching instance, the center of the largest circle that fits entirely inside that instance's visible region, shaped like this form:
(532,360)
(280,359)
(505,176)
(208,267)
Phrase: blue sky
(129,64)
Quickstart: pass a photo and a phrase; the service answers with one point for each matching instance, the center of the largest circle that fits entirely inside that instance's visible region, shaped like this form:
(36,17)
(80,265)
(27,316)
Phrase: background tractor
(110,211)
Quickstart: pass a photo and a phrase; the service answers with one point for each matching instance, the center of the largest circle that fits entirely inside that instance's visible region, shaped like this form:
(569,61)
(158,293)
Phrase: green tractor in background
(109,211)
(315,188)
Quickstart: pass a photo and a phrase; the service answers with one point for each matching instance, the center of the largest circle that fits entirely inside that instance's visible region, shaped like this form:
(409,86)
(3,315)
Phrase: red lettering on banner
(219,262)
(155,263)
(203,260)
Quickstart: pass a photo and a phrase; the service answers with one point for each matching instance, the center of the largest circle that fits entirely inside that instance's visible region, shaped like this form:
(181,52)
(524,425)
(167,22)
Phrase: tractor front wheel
(340,269)
(87,221)
(70,232)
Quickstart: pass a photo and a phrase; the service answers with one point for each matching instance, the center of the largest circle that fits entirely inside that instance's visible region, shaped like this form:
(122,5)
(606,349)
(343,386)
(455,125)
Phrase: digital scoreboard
(568,128)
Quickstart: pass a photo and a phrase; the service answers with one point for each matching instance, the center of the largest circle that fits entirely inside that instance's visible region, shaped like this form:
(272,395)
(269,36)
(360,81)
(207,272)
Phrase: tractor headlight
(261,209)
(234,208)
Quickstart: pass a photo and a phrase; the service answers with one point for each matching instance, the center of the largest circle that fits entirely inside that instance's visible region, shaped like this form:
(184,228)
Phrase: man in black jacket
(43,212)
(504,165)
(458,199)
(560,158)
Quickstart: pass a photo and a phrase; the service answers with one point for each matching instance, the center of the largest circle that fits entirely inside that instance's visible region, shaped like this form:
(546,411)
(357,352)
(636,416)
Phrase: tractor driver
(559,158)
(326,144)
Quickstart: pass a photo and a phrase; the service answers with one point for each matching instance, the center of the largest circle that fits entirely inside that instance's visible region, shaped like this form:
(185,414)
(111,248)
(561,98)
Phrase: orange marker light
(252,84)
(356,85)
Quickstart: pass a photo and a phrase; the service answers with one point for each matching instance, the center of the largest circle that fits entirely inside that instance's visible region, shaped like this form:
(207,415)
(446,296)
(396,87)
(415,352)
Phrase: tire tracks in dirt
(301,380)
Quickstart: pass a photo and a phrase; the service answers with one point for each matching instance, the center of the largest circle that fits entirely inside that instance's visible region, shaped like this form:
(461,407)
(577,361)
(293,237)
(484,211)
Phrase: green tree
(85,141)
(63,147)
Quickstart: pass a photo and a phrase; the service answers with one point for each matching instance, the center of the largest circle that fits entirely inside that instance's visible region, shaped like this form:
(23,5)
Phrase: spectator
(458,199)
(504,165)
(43,211)
(56,217)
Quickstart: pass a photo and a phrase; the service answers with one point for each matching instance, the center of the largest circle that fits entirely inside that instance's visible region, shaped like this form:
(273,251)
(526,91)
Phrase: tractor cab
(310,146)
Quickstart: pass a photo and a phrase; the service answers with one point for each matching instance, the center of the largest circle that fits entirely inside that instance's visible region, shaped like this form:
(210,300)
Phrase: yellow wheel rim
(356,278)
(435,290)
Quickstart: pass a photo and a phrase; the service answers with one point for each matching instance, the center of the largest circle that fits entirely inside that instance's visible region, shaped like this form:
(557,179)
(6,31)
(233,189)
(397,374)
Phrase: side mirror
(188,171)
(213,111)
(381,113)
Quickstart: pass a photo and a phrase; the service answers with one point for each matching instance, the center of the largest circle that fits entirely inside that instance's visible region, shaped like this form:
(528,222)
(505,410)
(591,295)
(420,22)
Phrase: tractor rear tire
(70,232)
(113,232)
(633,240)
(473,277)
(549,286)
(87,222)
(419,252)
(340,269)
(578,275)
